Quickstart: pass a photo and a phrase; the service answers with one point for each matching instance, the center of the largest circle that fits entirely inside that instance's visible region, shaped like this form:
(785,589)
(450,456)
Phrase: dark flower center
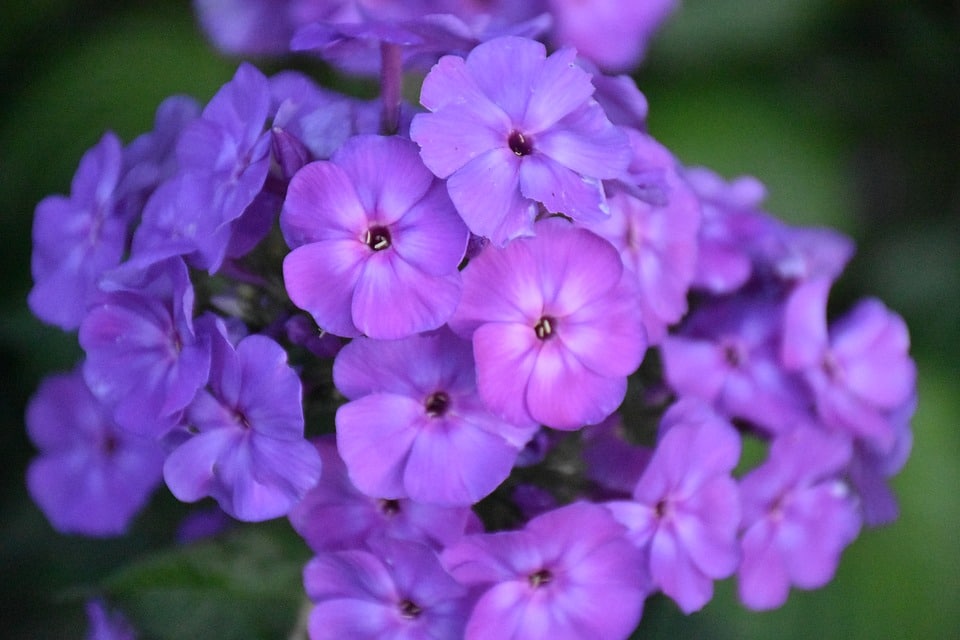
(389,507)
(540,578)
(732,355)
(409,610)
(377,238)
(110,444)
(437,404)
(544,328)
(520,144)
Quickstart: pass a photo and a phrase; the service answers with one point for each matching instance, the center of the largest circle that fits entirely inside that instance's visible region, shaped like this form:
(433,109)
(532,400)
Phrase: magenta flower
(686,508)
(506,147)
(570,573)
(397,590)
(798,516)
(376,242)
(248,451)
(91,476)
(441,445)
(556,328)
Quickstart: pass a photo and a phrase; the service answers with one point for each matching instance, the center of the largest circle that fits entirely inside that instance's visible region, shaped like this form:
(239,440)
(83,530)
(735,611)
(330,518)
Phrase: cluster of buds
(494,355)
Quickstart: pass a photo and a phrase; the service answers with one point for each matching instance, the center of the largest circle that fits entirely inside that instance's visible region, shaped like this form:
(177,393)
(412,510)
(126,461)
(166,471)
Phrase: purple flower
(570,573)
(612,33)
(657,240)
(375,240)
(397,590)
(144,359)
(77,239)
(334,515)
(511,128)
(151,158)
(223,159)
(731,219)
(859,370)
(556,327)
(91,476)
(797,517)
(686,509)
(248,451)
(441,444)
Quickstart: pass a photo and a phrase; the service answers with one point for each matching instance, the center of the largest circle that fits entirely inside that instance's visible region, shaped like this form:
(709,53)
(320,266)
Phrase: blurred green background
(848,111)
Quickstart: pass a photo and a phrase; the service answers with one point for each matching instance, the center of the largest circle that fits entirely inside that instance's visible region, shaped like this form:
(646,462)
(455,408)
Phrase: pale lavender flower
(555,324)
(570,573)
(375,239)
(798,516)
(685,511)
(507,147)
(91,477)
(612,33)
(396,590)
(441,445)
(248,450)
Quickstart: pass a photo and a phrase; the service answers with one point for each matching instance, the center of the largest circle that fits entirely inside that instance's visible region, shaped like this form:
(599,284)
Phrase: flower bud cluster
(494,355)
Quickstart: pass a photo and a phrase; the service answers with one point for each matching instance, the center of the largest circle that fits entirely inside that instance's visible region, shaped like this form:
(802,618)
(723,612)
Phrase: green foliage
(243,586)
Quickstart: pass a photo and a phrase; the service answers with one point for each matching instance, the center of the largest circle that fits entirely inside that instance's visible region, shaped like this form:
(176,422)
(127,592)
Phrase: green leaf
(243,586)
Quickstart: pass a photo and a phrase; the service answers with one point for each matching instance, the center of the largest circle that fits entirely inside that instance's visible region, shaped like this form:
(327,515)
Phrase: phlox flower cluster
(494,355)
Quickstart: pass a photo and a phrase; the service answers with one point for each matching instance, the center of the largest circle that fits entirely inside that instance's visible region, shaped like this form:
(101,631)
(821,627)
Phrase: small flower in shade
(556,327)
(727,353)
(613,464)
(144,358)
(686,508)
(657,240)
(440,444)
(859,368)
(396,590)
(248,452)
(334,515)
(91,476)
(105,624)
(77,238)
(570,573)
(376,242)
(797,517)
(871,468)
(612,33)
(507,146)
